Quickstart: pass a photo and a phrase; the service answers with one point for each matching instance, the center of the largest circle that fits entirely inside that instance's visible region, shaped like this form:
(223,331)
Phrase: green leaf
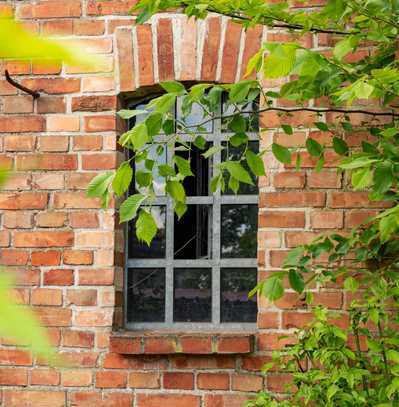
(350,284)
(383,177)
(387,227)
(345,46)
(273,288)
(176,191)
(255,163)
(180,209)
(237,171)
(211,151)
(197,91)
(146,228)
(280,61)
(99,184)
(393,355)
(183,165)
(128,114)
(239,91)
(363,90)
(362,178)
(164,103)
(293,256)
(281,153)
(340,146)
(173,87)
(139,136)
(287,129)
(238,124)
(255,63)
(314,148)
(296,281)
(322,126)
(122,179)
(200,142)
(130,206)
(166,170)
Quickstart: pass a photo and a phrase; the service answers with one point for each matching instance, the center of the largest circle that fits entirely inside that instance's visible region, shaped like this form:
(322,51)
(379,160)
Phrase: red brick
(15,357)
(125,345)
(51,104)
(79,180)
(354,200)
(99,123)
(289,180)
(99,161)
(43,239)
(46,258)
(94,239)
(279,383)
(167,400)
(178,380)
(268,320)
(21,124)
(13,376)
(109,7)
(247,383)
(327,219)
(225,400)
(50,67)
(17,67)
(96,276)
(76,378)
(63,123)
(53,86)
(98,84)
(296,319)
(50,9)
(84,220)
(355,218)
(57,27)
(213,381)
(11,257)
(30,398)
(53,143)
(23,200)
(292,199)
(6,162)
(74,200)
(234,344)
(196,344)
(80,359)
(111,399)
(76,257)
(324,179)
(51,219)
(282,219)
(124,42)
(94,318)
(58,277)
(77,339)
(253,38)
(211,49)
(88,27)
(54,316)
(93,103)
(255,363)
(274,341)
(144,380)
(46,296)
(18,104)
(145,56)
(87,143)
(188,50)
(230,52)
(111,379)
(47,162)
(82,297)
(166,69)
(44,377)
(17,220)
(160,345)
(6,88)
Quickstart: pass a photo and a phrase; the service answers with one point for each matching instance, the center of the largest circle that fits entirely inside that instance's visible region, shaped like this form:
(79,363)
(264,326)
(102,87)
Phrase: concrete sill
(156,343)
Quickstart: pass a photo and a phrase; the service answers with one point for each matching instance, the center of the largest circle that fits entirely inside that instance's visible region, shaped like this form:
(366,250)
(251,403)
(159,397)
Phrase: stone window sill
(166,343)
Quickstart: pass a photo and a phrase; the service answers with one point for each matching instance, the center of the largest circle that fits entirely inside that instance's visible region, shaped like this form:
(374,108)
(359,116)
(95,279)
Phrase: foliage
(356,365)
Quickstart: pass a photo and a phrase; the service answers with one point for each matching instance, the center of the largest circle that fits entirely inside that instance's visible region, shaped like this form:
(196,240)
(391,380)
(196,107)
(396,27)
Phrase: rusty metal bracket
(35,94)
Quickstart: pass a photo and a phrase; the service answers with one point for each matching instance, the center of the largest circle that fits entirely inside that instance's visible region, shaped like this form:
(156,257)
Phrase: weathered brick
(77,339)
(37,398)
(13,376)
(48,162)
(51,219)
(166,69)
(144,380)
(211,49)
(96,276)
(247,383)
(12,257)
(167,400)
(46,258)
(178,380)
(124,42)
(76,257)
(54,316)
(74,200)
(292,199)
(51,104)
(44,377)
(18,104)
(21,124)
(23,200)
(17,220)
(76,378)
(282,219)
(58,277)
(213,381)
(53,86)
(145,60)
(53,143)
(93,103)
(43,239)
(46,296)
(82,297)
(111,379)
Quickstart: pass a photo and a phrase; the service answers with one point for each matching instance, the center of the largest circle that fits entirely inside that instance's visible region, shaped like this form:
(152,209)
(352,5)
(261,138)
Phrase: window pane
(146,295)
(140,250)
(233,154)
(236,283)
(239,231)
(198,185)
(140,170)
(195,119)
(192,295)
(192,233)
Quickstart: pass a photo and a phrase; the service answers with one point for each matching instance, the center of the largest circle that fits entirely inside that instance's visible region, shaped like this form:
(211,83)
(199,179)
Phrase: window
(199,269)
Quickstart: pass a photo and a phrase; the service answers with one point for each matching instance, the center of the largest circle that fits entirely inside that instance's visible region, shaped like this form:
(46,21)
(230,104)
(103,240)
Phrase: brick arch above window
(173,47)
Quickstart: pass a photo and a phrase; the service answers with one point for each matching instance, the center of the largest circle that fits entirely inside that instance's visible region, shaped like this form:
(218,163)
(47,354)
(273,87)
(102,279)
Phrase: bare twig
(35,94)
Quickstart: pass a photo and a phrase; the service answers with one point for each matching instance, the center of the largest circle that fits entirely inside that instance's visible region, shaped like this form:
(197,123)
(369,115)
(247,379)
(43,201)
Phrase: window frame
(216,263)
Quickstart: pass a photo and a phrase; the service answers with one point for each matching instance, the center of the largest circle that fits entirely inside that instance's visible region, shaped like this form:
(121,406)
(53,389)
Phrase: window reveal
(198,270)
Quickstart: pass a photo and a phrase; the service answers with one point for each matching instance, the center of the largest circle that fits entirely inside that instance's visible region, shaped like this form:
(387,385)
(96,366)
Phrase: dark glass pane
(146,295)
(239,228)
(192,234)
(140,250)
(252,120)
(195,120)
(159,156)
(192,295)
(198,185)
(231,153)
(235,305)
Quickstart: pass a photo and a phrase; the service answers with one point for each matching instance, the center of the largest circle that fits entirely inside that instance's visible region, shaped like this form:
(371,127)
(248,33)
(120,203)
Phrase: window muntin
(206,263)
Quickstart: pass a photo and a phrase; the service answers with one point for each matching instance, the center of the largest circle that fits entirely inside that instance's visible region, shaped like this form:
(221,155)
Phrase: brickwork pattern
(67,252)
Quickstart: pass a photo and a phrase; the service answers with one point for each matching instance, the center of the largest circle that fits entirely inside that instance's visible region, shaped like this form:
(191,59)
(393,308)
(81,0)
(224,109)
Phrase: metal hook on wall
(35,94)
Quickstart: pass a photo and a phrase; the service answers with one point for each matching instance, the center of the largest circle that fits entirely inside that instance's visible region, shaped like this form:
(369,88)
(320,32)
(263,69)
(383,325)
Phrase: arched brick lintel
(173,47)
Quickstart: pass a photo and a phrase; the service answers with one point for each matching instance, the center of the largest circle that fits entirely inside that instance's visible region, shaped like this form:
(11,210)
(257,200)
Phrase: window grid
(216,263)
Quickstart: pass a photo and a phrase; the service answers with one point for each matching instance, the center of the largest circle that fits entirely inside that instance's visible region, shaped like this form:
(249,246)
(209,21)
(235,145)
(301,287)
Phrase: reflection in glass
(197,185)
(235,305)
(234,154)
(239,226)
(191,237)
(140,250)
(146,295)
(197,117)
(158,181)
(192,295)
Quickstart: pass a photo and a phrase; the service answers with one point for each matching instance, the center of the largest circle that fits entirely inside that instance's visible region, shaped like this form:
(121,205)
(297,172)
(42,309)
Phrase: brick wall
(67,252)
